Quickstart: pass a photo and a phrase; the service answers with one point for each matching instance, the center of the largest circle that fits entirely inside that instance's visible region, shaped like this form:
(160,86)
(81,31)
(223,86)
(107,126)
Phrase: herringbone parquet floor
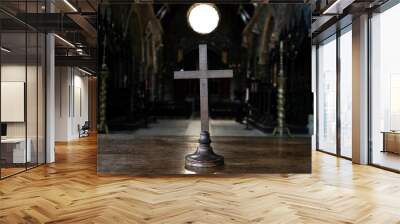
(69,191)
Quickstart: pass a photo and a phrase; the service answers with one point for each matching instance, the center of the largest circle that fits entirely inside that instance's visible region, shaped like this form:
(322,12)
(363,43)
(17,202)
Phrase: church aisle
(70,191)
(191,127)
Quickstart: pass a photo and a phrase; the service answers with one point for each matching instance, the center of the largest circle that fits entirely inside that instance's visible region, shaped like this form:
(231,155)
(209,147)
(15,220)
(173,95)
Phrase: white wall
(33,126)
(71,102)
(12,73)
(17,73)
(62,82)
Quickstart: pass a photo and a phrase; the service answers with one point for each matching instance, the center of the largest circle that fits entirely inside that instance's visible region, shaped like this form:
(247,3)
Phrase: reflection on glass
(327,96)
(22,91)
(385,84)
(31,100)
(15,149)
(346,94)
(41,99)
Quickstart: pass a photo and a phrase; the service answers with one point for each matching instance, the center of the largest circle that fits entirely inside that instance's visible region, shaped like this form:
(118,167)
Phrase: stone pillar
(281,127)
(360,90)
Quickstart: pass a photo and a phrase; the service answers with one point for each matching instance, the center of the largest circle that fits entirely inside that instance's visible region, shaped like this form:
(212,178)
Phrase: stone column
(281,127)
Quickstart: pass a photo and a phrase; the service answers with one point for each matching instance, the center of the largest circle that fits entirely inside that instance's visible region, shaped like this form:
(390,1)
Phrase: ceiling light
(203,18)
(337,7)
(70,5)
(84,71)
(5,50)
(65,41)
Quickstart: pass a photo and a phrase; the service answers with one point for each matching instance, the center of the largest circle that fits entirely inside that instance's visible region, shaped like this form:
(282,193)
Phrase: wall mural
(204,88)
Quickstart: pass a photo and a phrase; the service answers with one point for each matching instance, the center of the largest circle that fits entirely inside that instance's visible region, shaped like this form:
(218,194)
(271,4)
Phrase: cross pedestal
(204,155)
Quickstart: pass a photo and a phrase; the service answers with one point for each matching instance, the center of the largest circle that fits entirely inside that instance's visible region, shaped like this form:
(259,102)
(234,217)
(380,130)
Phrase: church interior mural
(154,107)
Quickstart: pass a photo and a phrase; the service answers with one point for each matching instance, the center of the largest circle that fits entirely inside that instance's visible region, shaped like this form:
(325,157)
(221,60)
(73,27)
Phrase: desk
(16,147)
(391,141)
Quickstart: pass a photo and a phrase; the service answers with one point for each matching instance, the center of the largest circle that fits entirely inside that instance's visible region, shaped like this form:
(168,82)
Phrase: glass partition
(327,95)
(31,100)
(22,91)
(41,96)
(385,89)
(14,153)
(346,93)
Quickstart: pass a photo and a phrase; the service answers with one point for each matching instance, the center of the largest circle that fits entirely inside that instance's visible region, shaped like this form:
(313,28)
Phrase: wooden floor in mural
(70,191)
(160,149)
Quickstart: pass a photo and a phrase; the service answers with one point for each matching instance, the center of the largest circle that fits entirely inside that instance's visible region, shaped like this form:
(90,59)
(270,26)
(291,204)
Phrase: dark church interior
(143,44)
(150,117)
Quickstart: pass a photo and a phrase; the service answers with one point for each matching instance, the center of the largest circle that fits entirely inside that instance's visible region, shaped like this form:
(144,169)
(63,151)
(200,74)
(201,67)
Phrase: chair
(84,130)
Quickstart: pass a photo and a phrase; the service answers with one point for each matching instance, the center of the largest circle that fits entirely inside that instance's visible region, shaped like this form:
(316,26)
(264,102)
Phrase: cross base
(204,157)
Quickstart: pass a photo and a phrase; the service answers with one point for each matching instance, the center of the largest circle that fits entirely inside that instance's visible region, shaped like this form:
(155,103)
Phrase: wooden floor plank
(70,191)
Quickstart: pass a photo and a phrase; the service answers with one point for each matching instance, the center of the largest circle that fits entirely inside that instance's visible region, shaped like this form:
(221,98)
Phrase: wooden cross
(203,74)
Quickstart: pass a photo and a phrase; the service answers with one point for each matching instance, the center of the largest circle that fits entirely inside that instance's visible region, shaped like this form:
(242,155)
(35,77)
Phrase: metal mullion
(0,93)
(385,168)
(37,90)
(26,87)
(333,154)
(317,97)
(338,95)
(46,35)
(369,79)
(72,93)
(13,174)
(45,93)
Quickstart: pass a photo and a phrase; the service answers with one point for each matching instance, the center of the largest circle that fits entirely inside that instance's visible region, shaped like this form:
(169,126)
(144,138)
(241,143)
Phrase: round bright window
(203,17)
